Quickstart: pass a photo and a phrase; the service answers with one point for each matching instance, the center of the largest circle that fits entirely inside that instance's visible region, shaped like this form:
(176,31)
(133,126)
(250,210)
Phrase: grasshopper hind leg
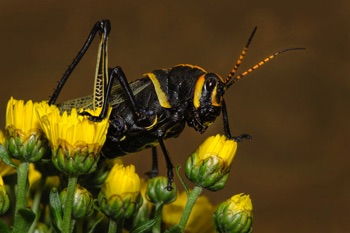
(102,27)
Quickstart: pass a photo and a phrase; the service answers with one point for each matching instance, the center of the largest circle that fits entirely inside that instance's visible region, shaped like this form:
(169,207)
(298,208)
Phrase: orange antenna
(228,84)
(241,56)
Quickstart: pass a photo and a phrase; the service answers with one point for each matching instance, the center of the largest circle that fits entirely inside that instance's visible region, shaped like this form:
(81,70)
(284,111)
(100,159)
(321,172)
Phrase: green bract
(234,215)
(210,164)
(157,191)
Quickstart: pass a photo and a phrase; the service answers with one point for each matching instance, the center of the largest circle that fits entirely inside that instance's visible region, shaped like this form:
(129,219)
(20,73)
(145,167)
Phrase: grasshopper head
(207,101)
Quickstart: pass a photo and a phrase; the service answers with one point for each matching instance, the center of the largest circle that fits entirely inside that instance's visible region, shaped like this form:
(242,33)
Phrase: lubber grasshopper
(156,107)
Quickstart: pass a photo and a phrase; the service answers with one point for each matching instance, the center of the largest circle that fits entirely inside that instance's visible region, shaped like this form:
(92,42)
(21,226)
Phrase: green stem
(22,175)
(115,225)
(157,218)
(68,205)
(192,198)
(21,201)
(36,202)
(180,178)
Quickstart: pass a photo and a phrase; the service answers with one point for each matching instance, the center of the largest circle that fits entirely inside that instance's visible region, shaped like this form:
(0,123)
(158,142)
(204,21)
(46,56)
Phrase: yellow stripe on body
(162,97)
(153,124)
(192,67)
(213,98)
(198,91)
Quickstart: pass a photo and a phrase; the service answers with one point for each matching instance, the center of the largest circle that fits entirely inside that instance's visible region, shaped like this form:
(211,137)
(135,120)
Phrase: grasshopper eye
(210,84)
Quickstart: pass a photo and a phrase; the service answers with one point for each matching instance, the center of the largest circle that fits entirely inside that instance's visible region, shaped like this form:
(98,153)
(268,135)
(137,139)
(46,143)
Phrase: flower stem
(36,202)
(115,225)
(158,218)
(68,204)
(192,198)
(21,201)
(180,178)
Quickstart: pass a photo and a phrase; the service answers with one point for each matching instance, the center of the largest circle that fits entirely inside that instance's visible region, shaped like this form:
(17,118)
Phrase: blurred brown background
(296,168)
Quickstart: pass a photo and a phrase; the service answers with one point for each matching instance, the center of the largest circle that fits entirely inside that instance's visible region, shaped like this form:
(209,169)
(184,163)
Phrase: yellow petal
(122,180)
(72,128)
(22,116)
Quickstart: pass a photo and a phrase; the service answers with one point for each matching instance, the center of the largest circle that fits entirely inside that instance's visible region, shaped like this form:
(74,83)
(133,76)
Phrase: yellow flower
(126,178)
(120,196)
(72,128)
(6,170)
(74,139)
(33,175)
(2,138)
(24,138)
(218,146)
(234,215)
(210,164)
(241,202)
(22,116)
(4,199)
(200,219)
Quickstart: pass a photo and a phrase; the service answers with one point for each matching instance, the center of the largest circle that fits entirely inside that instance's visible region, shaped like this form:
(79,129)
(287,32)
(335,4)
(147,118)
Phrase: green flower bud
(157,191)
(4,199)
(234,215)
(210,164)
(4,155)
(83,202)
(145,212)
(28,149)
(75,160)
(120,196)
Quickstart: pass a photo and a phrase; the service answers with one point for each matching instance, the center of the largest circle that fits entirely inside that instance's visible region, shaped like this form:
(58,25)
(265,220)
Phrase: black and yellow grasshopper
(156,107)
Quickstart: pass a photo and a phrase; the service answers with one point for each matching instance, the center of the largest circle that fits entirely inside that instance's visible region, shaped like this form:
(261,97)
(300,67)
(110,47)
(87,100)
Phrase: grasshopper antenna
(232,81)
(241,56)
